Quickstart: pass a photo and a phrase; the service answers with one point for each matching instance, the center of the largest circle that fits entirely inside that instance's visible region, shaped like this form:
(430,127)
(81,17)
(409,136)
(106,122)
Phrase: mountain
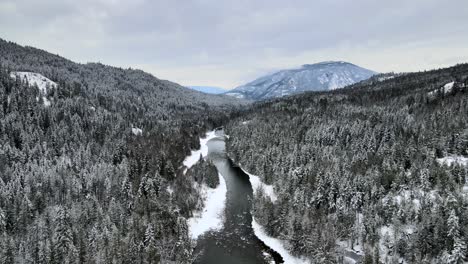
(375,173)
(208,89)
(97,78)
(321,76)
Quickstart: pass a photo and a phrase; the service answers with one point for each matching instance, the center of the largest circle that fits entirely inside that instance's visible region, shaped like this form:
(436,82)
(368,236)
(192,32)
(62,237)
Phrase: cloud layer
(226,43)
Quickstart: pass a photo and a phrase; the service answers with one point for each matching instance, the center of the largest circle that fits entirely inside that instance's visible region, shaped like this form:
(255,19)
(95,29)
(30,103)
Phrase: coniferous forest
(76,185)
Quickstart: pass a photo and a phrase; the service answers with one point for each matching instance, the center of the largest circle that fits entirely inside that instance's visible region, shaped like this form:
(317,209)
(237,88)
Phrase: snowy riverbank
(211,217)
(194,157)
(257,184)
(276,244)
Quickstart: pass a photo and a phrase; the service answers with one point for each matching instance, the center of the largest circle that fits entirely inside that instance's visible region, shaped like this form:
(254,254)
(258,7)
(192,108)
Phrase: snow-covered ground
(460,160)
(453,159)
(194,157)
(408,197)
(46,101)
(42,82)
(276,244)
(33,78)
(211,217)
(447,88)
(137,131)
(257,184)
(384,78)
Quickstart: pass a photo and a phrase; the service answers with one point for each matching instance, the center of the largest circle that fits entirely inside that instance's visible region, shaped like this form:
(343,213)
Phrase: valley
(100,164)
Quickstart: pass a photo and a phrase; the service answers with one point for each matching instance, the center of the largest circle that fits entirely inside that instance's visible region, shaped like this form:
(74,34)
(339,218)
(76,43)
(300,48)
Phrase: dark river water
(236,243)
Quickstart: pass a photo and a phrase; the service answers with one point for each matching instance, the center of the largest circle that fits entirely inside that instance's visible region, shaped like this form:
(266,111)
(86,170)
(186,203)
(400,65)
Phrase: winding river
(236,242)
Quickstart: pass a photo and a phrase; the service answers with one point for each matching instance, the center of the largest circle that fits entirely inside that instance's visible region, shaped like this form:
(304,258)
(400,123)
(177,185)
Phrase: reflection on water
(236,242)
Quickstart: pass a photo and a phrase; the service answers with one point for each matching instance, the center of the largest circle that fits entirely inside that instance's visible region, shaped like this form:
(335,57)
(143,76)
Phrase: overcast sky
(227,43)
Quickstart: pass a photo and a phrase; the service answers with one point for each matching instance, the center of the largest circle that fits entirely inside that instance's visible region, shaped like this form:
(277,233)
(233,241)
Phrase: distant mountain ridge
(328,75)
(208,89)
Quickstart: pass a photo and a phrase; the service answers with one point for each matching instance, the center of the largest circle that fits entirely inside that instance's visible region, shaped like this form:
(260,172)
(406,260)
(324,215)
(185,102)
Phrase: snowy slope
(446,89)
(42,82)
(39,80)
(310,77)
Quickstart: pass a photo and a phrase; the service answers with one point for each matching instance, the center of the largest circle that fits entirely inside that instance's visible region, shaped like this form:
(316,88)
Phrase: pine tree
(63,239)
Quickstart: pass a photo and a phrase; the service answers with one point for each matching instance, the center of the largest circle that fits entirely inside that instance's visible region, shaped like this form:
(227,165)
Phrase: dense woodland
(357,168)
(76,185)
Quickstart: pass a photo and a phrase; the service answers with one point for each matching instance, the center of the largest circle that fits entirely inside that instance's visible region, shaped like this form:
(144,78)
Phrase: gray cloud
(226,43)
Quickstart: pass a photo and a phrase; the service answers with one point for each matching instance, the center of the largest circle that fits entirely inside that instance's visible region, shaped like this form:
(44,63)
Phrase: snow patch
(406,196)
(46,101)
(447,88)
(384,78)
(276,244)
(211,217)
(169,190)
(449,160)
(33,78)
(257,184)
(194,157)
(137,131)
(42,82)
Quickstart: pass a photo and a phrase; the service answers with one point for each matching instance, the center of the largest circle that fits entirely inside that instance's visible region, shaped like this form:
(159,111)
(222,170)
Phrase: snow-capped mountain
(321,76)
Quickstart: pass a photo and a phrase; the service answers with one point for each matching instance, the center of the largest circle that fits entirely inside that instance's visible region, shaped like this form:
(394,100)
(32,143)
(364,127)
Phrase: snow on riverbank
(194,157)
(257,184)
(276,244)
(211,216)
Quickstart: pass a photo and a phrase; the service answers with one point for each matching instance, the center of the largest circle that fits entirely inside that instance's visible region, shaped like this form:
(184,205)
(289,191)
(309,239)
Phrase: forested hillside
(94,175)
(377,169)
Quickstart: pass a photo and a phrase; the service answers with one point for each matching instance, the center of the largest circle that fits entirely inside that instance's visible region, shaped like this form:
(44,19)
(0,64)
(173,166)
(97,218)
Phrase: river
(236,242)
